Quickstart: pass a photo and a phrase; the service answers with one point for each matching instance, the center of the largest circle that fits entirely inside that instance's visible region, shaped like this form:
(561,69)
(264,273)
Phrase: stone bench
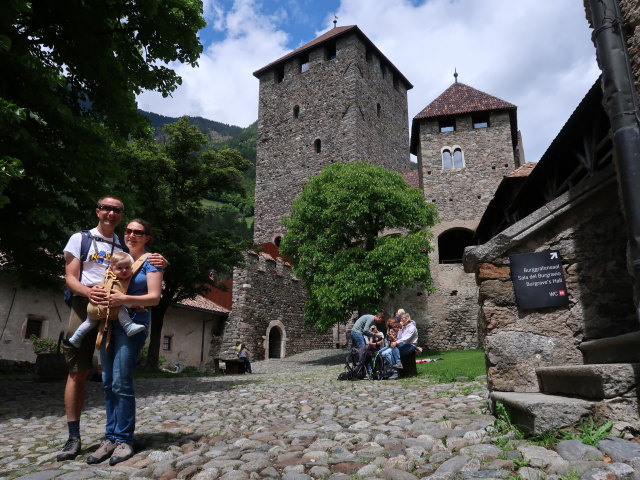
(233,366)
(408,366)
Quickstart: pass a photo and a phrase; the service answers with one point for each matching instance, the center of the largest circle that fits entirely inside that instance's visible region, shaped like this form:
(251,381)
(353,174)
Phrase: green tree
(170,180)
(70,73)
(337,237)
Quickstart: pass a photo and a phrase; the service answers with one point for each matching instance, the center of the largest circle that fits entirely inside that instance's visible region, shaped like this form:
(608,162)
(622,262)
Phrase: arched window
(296,111)
(317,145)
(447,164)
(458,161)
(451,244)
(378,110)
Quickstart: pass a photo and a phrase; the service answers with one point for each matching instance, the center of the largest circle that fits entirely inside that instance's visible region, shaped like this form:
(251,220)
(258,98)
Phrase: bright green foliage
(454,364)
(589,433)
(336,240)
(169,181)
(70,73)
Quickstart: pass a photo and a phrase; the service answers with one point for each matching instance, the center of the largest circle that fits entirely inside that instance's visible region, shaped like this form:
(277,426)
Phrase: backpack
(85,245)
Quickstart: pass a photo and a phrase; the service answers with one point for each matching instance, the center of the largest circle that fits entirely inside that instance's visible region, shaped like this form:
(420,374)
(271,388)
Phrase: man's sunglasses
(135,233)
(110,208)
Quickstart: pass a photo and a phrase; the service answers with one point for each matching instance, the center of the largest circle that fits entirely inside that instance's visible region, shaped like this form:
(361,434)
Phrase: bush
(43,345)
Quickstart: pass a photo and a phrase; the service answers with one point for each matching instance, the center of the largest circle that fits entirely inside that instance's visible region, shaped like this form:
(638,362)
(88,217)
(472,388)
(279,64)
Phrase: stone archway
(275,340)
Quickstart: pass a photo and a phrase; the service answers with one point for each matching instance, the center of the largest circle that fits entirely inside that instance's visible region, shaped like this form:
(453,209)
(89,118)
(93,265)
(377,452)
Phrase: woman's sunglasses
(135,233)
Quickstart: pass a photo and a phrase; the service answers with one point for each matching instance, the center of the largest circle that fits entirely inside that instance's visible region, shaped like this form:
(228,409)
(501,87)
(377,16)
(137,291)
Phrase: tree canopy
(70,73)
(355,234)
(170,180)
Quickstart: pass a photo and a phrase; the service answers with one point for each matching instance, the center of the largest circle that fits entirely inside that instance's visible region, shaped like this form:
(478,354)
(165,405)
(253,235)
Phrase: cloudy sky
(536,54)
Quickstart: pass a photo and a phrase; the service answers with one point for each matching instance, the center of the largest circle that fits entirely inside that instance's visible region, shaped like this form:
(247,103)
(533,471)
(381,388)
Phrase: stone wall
(488,155)
(347,103)
(586,226)
(267,296)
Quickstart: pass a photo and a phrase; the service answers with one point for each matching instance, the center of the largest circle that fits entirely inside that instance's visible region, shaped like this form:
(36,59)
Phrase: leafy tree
(170,180)
(70,73)
(338,239)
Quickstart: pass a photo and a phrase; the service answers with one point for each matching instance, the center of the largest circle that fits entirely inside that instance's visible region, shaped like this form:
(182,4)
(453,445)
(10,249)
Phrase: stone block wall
(354,105)
(587,228)
(267,295)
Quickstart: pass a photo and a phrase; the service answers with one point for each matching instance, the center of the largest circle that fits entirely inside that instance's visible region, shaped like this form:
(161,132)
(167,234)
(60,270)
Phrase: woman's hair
(400,311)
(406,316)
(146,225)
(120,256)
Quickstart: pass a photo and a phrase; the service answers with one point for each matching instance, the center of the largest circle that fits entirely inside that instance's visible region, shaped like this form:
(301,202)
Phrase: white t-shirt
(97,258)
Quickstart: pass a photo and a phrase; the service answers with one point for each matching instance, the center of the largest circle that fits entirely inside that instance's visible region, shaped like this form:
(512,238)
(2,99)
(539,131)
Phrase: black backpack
(85,245)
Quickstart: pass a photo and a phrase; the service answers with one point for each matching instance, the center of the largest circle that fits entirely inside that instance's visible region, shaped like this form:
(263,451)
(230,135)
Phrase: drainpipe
(621,104)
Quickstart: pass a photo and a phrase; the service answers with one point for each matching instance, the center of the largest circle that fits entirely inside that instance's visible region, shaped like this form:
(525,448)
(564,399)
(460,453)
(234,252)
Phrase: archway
(451,244)
(275,340)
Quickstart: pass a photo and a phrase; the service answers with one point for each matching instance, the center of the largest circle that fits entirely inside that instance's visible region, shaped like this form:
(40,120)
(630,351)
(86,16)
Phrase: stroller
(365,363)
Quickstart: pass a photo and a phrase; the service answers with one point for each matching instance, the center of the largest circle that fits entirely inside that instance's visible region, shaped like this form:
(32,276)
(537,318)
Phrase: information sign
(538,280)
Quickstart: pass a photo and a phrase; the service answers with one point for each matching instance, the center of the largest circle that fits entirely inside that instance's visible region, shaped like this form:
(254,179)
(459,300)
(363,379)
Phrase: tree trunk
(157,320)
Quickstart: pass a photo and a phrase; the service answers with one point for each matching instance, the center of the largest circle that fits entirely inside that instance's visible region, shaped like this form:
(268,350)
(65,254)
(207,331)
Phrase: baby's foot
(134,328)
(75,342)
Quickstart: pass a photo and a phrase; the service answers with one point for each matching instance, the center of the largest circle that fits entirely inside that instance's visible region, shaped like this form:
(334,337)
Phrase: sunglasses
(135,233)
(110,208)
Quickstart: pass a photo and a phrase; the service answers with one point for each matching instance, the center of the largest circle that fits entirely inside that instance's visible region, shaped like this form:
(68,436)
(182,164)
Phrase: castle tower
(335,99)
(466,141)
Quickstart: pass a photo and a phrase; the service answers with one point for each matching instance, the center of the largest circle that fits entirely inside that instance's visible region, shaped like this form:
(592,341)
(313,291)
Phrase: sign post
(538,280)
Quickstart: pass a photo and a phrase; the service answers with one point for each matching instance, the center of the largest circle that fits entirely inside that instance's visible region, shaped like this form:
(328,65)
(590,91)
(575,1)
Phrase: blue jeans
(391,355)
(358,339)
(406,349)
(118,364)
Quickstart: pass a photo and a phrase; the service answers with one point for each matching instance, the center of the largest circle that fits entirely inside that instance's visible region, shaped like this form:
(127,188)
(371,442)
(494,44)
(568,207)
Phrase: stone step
(620,349)
(595,381)
(538,412)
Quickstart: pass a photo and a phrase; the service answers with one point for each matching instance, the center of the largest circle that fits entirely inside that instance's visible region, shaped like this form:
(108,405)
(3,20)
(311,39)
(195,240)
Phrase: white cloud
(535,54)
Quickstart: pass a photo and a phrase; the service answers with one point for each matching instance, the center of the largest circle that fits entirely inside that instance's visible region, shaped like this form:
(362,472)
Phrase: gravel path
(293,420)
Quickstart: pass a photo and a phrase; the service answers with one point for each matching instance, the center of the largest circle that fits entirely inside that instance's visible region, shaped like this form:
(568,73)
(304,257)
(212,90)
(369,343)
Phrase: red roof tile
(522,171)
(201,303)
(411,177)
(460,98)
(328,35)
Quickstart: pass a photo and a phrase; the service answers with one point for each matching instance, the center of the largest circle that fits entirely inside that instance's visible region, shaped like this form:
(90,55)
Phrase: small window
(330,51)
(367,55)
(458,161)
(166,343)
(277,241)
(378,110)
(317,145)
(480,120)
(447,163)
(296,111)
(396,82)
(304,63)
(447,124)
(34,326)
(279,74)
(383,70)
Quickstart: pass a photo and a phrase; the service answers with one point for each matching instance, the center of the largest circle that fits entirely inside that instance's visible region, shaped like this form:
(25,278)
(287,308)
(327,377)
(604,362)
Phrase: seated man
(362,328)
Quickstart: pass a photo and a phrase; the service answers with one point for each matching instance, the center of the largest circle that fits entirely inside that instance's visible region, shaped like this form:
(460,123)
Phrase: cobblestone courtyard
(292,419)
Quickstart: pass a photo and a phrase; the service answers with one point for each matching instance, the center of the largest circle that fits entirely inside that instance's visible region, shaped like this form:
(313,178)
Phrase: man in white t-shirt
(83,279)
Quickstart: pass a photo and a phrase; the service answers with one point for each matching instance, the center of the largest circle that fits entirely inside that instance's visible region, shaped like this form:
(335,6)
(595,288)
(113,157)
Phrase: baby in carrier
(116,277)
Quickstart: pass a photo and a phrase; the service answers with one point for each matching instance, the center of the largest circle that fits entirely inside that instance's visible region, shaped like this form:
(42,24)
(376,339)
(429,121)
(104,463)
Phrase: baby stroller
(365,364)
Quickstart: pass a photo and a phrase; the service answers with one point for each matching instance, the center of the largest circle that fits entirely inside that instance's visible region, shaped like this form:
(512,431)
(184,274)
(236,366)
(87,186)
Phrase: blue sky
(536,54)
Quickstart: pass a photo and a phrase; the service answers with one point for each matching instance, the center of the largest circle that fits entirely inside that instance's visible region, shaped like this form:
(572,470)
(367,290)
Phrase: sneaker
(397,366)
(134,328)
(70,450)
(104,451)
(123,452)
(394,376)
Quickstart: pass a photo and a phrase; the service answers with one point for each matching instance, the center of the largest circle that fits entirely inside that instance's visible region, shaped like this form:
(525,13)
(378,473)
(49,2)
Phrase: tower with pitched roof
(465,142)
(334,99)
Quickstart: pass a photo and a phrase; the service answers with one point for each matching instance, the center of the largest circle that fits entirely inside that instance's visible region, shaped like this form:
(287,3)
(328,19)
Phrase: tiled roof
(411,177)
(202,303)
(329,35)
(522,171)
(460,98)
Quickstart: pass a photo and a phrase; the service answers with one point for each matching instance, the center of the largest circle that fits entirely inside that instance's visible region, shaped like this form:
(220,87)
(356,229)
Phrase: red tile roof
(460,98)
(333,34)
(522,171)
(201,303)
(411,177)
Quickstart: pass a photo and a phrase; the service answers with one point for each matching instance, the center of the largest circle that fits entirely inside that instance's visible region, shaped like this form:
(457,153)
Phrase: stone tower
(466,141)
(335,99)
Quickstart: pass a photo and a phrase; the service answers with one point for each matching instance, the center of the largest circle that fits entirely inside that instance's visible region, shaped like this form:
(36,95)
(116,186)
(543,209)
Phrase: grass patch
(454,364)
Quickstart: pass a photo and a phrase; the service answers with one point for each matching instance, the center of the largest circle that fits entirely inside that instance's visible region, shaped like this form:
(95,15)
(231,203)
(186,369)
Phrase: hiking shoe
(397,366)
(104,451)
(70,450)
(394,376)
(123,452)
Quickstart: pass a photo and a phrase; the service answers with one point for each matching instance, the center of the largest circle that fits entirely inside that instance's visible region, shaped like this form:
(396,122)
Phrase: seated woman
(390,353)
(407,338)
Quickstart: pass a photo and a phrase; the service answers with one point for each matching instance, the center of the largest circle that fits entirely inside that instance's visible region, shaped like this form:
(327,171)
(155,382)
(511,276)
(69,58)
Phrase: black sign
(538,280)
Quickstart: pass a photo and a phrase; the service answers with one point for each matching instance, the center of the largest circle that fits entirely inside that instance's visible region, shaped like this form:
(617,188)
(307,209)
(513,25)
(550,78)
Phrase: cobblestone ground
(293,420)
